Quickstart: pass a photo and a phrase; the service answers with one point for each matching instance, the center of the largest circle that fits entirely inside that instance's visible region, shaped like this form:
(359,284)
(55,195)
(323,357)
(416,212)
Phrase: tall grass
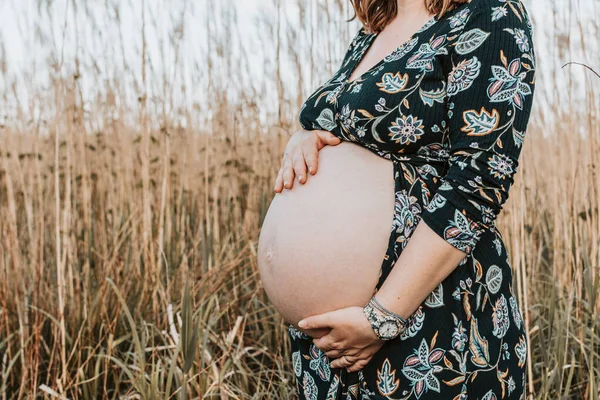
(137,159)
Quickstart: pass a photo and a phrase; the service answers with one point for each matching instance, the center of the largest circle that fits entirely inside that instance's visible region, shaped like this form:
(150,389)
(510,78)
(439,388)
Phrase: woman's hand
(351,340)
(302,152)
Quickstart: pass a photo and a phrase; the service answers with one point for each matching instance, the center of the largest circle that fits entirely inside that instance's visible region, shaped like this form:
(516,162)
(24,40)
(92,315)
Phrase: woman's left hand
(351,340)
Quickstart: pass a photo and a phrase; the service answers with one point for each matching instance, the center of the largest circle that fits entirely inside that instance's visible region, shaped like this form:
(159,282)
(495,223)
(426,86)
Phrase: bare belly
(322,244)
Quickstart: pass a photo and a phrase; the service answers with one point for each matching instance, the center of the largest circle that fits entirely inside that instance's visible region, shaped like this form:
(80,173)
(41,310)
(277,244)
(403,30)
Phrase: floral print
(420,369)
(463,75)
(319,363)
(423,59)
(450,108)
(406,129)
(500,317)
(407,212)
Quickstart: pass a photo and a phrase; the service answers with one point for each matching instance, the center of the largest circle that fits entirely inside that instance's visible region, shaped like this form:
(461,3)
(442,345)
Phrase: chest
(399,105)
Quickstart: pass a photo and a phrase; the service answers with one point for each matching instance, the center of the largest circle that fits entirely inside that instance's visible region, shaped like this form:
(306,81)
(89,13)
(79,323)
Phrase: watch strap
(378,315)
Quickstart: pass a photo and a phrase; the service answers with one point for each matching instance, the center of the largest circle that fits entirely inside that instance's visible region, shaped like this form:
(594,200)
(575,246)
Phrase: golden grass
(109,207)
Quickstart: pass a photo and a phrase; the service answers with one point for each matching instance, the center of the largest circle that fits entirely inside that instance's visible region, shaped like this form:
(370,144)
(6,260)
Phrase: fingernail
(302,324)
(285,183)
(299,178)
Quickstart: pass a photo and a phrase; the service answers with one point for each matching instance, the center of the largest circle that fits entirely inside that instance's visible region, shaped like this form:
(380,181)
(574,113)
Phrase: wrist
(394,304)
(385,323)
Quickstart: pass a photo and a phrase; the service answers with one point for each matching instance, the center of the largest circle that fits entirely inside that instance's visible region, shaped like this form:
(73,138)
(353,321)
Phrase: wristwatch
(386,324)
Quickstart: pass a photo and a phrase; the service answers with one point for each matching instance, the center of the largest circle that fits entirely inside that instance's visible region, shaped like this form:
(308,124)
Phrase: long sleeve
(489,89)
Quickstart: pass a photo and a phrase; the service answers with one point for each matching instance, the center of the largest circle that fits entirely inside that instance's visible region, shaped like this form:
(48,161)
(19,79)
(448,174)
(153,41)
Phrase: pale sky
(27,60)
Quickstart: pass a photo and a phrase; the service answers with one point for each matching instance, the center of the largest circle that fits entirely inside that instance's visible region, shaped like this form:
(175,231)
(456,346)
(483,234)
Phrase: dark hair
(376,14)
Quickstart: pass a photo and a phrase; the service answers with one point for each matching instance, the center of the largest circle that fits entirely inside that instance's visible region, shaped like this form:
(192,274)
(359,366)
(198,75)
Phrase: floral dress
(449,107)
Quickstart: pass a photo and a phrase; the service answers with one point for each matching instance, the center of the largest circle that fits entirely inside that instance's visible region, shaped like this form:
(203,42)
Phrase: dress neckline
(371,38)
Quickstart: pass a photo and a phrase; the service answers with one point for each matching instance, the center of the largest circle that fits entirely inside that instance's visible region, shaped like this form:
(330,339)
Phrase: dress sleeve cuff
(451,222)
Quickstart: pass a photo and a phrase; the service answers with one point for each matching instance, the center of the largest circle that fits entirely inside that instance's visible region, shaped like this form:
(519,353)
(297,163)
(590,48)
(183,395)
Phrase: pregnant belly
(322,244)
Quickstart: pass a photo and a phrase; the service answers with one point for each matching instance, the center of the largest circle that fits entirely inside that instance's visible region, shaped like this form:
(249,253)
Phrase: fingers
(342,362)
(352,359)
(311,151)
(325,320)
(293,165)
(279,181)
(312,159)
(331,347)
(299,164)
(288,171)
(327,138)
(311,154)
(351,363)
(339,351)
(303,158)
(358,365)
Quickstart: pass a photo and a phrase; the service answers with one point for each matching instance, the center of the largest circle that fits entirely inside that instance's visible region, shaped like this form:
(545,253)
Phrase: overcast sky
(21,51)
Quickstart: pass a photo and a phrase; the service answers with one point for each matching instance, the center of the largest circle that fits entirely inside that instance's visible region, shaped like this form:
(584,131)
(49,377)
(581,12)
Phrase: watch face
(388,329)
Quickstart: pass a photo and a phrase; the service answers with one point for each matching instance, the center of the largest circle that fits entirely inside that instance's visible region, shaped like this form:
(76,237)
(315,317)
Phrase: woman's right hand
(301,153)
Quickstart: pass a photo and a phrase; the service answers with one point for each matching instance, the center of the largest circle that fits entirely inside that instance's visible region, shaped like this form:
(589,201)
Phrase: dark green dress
(450,108)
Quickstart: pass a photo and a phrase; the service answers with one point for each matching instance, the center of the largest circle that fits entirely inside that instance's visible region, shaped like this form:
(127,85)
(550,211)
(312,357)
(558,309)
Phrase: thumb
(329,138)
(318,321)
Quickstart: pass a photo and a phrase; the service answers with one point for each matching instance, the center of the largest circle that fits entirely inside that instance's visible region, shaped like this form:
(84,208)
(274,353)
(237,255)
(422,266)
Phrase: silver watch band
(385,310)
(380,318)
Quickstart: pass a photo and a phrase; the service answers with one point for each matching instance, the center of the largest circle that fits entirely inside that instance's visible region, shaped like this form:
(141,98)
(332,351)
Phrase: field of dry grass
(131,166)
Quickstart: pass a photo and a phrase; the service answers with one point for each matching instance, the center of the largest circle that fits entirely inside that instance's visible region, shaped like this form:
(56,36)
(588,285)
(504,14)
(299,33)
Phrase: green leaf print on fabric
(478,346)
(493,279)
(515,311)
(297,363)
(480,136)
(311,391)
(489,396)
(333,388)
(319,363)
(500,317)
(393,83)
(436,297)
(521,351)
(326,120)
(480,122)
(415,324)
(421,367)
(433,96)
(387,383)
(471,40)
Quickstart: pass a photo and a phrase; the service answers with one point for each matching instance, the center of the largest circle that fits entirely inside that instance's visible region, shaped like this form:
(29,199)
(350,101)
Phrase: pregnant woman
(387,265)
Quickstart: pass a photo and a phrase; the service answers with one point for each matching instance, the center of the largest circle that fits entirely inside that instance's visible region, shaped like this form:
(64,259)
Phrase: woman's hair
(375,14)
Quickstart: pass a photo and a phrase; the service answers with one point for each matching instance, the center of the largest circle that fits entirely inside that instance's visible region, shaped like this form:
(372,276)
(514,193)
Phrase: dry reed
(135,168)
